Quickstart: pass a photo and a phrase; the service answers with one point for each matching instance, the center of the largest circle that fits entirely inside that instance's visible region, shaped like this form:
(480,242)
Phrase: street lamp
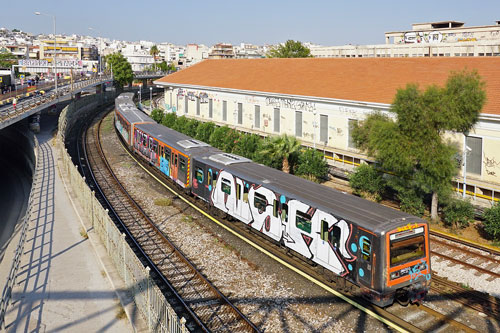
(467,150)
(100,49)
(140,97)
(150,99)
(55,50)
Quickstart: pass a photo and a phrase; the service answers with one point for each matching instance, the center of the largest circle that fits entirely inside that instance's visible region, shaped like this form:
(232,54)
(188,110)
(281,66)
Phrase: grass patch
(187,218)
(120,313)
(163,202)
(465,286)
(83,233)
(107,125)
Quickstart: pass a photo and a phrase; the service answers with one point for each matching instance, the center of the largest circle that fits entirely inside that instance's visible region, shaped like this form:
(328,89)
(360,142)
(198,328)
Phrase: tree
(218,136)
(412,146)
(169,119)
(154,52)
(284,148)
(248,145)
(122,70)
(7,59)
(312,165)
(291,49)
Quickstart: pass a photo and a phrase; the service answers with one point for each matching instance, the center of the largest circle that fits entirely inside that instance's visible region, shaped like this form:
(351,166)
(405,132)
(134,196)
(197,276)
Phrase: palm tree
(283,148)
(154,52)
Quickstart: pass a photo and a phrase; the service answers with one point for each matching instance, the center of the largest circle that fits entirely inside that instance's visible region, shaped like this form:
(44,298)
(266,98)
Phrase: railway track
(209,309)
(438,321)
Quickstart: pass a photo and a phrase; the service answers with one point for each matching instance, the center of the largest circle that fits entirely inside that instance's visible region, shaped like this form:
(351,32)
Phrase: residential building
(435,39)
(221,51)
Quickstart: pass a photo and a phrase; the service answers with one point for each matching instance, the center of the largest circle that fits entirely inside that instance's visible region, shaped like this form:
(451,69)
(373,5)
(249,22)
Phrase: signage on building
(33,63)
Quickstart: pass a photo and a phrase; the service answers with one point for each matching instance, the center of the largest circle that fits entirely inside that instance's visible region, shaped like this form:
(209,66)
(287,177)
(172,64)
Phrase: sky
(334,22)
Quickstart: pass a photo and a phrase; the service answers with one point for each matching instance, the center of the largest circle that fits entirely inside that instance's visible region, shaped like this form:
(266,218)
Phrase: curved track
(314,274)
(208,308)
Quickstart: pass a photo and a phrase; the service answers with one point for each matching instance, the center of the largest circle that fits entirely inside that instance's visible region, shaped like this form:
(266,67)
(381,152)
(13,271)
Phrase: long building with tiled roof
(316,99)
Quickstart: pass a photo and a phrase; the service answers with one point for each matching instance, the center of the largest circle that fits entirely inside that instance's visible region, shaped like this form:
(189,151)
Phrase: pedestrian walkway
(61,286)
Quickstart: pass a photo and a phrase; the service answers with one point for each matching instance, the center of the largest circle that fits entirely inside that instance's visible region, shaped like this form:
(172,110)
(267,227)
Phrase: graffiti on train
(315,234)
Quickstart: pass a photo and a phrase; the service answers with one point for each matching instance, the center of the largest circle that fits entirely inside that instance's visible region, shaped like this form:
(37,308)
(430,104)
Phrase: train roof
(178,141)
(125,105)
(367,214)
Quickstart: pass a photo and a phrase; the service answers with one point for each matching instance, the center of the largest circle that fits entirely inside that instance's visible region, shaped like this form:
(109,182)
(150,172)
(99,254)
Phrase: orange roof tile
(360,79)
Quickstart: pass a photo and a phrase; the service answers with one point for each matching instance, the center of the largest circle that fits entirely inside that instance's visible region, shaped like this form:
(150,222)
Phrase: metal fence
(11,279)
(150,301)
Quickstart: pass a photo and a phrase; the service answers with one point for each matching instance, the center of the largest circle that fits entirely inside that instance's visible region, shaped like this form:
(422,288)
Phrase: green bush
(247,145)
(169,119)
(312,165)
(458,213)
(157,115)
(411,202)
(231,140)
(191,127)
(367,182)
(264,156)
(492,221)
(204,131)
(218,136)
(180,124)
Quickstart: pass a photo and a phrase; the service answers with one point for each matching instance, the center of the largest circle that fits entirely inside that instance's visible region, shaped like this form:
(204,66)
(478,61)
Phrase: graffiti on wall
(315,234)
(490,164)
(290,104)
(424,37)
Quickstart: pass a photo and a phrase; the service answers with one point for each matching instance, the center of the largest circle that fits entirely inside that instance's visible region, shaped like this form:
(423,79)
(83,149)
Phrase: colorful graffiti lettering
(315,234)
(409,226)
(416,271)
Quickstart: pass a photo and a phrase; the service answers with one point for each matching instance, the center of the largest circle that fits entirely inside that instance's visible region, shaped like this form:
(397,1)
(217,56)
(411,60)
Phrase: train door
(182,172)
(328,238)
(165,168)
(200,182)
(366,257)
(174,164)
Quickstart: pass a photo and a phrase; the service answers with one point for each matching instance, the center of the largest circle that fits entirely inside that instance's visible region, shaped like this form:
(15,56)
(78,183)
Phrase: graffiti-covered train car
(382,251)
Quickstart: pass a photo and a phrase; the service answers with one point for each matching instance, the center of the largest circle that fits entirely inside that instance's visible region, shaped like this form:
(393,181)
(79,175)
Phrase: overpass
(29,106)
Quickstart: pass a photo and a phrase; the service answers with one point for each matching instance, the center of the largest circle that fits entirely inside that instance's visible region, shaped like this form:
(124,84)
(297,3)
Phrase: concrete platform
(62,284)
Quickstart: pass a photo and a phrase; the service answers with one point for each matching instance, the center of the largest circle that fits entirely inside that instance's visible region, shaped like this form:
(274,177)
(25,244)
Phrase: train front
(408,266)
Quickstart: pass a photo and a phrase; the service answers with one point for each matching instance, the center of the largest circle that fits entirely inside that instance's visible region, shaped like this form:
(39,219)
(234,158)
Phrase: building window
(240,113)
(323,128)
(474,155)
(257,116)
(350,141)
(197,106)
(224,110)
(298,123)
(186,102)
(277,120)
(210,108)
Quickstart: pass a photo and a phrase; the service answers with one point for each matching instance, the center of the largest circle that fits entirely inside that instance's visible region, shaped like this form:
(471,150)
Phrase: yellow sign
(409,226)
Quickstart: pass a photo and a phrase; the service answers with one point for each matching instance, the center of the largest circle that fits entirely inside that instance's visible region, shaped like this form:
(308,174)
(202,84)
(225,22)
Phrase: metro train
(383,252)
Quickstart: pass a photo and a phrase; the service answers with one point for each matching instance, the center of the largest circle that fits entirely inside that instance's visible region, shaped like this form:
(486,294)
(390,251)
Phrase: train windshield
(406,250)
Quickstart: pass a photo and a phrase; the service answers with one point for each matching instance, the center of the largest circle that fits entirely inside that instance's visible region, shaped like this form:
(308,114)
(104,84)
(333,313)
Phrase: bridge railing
(49,97)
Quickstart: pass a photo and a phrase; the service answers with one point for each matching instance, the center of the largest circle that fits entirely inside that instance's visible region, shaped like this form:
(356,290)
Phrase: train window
(151,143)
(182,165)
(334,236)
(275,208)
(406,250)
(238,192)
(259,201)
(209,176)
(284,212)
(366,248)
(245,193)
(226,186)
(199,175)
(214,181)
(303,221)
(324,230)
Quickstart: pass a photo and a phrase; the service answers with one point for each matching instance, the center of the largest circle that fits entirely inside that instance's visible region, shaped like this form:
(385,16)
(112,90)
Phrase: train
(381,252)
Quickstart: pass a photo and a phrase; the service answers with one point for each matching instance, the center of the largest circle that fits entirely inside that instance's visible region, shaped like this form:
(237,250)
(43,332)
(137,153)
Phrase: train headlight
(395,275)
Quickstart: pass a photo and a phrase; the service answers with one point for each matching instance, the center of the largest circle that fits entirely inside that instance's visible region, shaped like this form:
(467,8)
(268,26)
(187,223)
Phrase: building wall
(339,114)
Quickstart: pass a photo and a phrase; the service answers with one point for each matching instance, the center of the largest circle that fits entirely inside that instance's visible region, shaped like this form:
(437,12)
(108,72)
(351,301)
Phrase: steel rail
(212,309)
